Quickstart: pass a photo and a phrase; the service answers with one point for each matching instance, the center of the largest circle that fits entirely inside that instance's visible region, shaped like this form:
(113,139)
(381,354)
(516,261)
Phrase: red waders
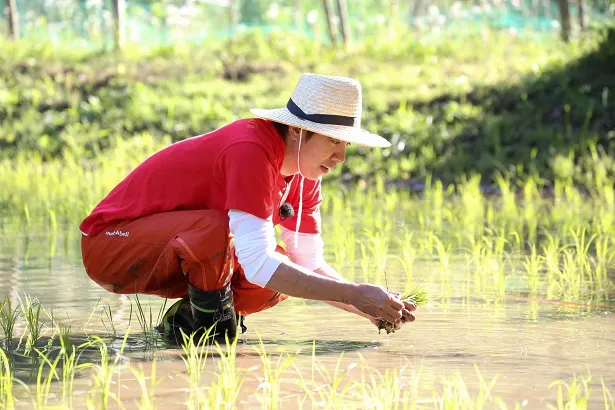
(162,254)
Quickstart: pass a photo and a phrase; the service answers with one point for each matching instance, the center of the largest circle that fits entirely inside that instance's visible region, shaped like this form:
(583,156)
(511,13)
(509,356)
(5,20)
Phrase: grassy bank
(492,104)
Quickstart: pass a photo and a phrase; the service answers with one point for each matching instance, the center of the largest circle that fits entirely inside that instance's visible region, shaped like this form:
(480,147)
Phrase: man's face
(320,154)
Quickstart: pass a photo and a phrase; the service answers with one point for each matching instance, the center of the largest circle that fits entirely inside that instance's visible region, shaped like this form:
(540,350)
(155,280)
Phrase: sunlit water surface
(526,343)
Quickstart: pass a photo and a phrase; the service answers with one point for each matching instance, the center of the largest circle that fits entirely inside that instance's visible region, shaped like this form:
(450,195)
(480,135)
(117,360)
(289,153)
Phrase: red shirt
(234,167)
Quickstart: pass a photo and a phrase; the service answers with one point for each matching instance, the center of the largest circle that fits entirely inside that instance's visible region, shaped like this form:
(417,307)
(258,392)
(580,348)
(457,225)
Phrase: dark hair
(283,130)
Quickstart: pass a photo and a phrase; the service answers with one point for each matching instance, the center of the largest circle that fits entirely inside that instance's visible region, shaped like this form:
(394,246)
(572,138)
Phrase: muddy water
(527,344)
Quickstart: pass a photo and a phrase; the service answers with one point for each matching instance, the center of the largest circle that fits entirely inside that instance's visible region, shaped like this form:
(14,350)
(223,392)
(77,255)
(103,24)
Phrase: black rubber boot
(177,319)
(213,308)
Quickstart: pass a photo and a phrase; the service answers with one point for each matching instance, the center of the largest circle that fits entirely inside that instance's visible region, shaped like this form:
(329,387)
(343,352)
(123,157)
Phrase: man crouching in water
(196,220)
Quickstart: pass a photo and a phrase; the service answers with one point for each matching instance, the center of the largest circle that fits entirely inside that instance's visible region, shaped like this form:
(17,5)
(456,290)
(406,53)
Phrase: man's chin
(314,176)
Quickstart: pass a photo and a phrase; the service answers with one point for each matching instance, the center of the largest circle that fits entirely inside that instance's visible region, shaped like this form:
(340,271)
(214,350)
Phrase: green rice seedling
(100,393)
(609,403)
(475,248)
(407,255)
(533,266)
(417,294)
(480,266)
(333,391)
(270,388)
(7,400)
(147,391)
(343,244)
(8,318)
(424,245)
(109,315)
(573,395)
(499,245)
(53,222)
(516,241)
(224,389)
(472,204)
(567,281)
(70,367)
(456,394)
(87,322)
(509,209)
(581,245)
(64,334)
(62,329)
(195,359)
(70,362)
(467,283)
(377,245)
(391,201)
(551,254)
(229,380)
(532,310)
(350,248)
(31,311)
(147,322)
(434,204)
(443,254)
(498,268)
(391,389)
(604,221)
(365,261)
(26,215)
(307,385)
(43,383)
(531,202)
(445,273)
(605,259)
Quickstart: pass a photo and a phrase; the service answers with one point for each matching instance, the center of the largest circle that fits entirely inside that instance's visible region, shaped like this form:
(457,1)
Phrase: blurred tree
(251,12)
(416,7)
(547,9)
(12,18)
(342,9)
(564,17)
(330,17)
(83,32)
(582,15)
(119,18)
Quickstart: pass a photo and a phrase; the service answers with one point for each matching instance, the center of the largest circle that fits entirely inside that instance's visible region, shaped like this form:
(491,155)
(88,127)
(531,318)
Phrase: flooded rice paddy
(527,322)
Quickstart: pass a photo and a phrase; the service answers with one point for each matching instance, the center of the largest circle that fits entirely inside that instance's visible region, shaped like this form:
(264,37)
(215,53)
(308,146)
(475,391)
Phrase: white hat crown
(329,96)
(327,105)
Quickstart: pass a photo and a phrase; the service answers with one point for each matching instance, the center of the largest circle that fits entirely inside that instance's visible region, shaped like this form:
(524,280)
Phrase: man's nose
(340,156)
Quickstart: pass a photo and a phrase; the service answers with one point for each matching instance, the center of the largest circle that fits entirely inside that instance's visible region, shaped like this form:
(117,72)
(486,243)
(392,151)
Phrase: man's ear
(293,132)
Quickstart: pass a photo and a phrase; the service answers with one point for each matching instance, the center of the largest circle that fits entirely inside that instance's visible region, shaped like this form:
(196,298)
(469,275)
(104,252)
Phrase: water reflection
(528,341)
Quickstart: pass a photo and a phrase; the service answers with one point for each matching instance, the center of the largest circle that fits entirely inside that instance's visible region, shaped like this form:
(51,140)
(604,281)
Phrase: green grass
(490,104)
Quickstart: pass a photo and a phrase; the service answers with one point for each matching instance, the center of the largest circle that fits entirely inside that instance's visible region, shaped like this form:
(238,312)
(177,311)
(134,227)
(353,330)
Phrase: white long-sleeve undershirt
(309,251)
(255,245)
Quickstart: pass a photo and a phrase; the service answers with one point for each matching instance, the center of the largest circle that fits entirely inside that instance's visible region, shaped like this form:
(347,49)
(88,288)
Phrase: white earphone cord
(300,190)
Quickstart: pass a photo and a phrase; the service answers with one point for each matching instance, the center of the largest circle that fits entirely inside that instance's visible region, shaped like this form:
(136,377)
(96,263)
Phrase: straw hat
(326,105)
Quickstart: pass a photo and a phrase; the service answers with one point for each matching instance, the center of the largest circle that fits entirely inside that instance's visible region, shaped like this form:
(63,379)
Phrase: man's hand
(377,302)
(391,327)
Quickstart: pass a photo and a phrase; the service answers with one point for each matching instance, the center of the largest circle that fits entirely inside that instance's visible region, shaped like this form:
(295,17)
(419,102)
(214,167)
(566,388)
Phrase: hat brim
(353,135)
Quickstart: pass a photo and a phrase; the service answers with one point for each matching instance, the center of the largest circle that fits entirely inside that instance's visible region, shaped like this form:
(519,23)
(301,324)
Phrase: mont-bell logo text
(117,233)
